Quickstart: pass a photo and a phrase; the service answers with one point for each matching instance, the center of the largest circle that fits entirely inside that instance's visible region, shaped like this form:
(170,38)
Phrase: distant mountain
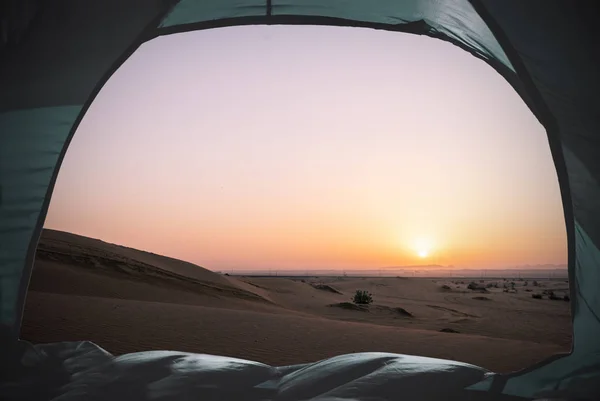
(544,267)
(417,267)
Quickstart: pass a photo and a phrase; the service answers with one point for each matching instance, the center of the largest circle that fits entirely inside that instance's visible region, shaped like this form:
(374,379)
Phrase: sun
(423,247)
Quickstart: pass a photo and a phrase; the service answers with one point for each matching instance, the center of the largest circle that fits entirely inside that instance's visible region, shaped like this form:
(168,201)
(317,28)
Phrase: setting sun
(422,247)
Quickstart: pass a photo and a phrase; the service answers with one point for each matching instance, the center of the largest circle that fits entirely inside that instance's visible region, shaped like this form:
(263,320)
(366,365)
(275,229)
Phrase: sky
(302,147)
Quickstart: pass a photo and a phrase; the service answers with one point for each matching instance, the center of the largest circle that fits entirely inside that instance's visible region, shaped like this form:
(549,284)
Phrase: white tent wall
(61,57)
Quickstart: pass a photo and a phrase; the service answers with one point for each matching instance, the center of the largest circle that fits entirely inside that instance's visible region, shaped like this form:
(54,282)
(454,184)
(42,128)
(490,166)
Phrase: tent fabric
(37,137)
(55,56)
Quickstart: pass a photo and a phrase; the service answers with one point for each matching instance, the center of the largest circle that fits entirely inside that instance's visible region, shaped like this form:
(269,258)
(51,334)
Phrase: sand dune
(76,245)
(127,300)
(72,264)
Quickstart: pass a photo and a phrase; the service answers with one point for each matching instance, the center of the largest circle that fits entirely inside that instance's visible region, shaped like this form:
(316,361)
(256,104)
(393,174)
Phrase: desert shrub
(445,287)
(473,286)
(535,283)
(553,296)
(362,297)
(536,296)
(566,298)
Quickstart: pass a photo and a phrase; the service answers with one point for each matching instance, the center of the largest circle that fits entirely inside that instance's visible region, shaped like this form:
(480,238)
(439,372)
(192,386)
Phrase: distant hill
(416,267)
(419,271)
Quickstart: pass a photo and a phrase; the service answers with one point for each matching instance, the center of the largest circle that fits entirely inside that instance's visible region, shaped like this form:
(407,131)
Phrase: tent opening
(230,190)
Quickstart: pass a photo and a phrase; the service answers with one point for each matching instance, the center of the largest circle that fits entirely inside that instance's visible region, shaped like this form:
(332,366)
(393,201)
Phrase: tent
(55,55)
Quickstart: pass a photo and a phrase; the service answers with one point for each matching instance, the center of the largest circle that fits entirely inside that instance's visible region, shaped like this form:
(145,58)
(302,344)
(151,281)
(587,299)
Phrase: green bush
(362,297)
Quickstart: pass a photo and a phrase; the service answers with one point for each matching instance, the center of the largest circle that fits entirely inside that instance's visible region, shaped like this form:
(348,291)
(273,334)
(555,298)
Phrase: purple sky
(312,147)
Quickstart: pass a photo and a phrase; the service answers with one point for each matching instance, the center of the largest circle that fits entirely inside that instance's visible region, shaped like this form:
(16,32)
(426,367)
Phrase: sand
(127,300)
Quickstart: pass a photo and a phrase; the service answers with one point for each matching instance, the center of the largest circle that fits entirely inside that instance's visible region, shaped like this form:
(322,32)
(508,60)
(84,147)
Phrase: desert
(126,300)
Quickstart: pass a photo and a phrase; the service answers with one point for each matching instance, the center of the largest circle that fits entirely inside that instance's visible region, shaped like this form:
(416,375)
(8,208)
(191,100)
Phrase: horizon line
(414,268)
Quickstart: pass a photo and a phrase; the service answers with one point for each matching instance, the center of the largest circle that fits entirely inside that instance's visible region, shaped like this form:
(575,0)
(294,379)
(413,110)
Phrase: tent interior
(56,55)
